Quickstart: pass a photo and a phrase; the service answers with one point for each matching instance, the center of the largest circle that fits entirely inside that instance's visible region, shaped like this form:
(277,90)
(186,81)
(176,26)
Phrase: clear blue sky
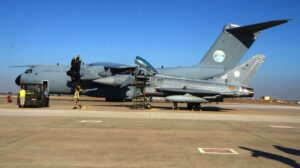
(165,32)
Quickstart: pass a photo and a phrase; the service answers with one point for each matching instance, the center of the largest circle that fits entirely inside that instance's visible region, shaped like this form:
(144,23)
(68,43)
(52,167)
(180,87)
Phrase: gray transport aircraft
(113,81)
(235,83)
(62,79)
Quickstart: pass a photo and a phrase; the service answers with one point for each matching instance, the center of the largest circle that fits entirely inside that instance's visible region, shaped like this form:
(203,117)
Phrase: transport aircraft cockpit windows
(28,70)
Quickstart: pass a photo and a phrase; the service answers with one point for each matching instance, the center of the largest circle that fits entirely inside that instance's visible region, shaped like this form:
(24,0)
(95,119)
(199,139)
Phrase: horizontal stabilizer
(257,27)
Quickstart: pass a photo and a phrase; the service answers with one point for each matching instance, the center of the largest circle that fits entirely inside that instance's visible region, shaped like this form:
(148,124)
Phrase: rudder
(244,74)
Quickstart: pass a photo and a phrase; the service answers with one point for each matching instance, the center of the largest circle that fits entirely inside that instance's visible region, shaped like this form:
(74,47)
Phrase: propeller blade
(74,73)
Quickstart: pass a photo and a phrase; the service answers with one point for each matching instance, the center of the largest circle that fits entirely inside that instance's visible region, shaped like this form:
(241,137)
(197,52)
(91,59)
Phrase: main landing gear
(190,106)
(194,106)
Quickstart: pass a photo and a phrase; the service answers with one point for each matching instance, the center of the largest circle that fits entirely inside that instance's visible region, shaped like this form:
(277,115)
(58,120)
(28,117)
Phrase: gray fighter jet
(234,83)
(113,81)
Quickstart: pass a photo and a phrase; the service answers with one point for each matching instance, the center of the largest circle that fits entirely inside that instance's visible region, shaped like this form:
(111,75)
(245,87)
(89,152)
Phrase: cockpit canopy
(145,64)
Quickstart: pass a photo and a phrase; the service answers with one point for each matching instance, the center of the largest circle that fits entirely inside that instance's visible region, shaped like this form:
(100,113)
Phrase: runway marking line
(217,151)
(280,126)
(6,104)
(90,121)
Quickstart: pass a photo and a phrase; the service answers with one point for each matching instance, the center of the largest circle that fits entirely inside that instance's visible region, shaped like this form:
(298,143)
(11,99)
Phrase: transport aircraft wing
(22,66)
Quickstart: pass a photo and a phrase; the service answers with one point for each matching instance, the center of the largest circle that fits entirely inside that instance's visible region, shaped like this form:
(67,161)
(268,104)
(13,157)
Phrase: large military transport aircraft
(113,81)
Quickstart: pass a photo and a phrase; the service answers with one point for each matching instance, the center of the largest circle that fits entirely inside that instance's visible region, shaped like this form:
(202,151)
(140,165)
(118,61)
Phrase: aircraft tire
(189,106)
(148,106)
(197,107)
(194,106)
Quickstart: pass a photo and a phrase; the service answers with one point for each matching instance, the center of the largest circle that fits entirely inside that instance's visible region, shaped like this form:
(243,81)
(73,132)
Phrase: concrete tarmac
(113,135)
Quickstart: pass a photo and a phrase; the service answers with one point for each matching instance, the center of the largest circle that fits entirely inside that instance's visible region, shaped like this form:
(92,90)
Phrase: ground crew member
(76,99)
(22,97)
(9,100)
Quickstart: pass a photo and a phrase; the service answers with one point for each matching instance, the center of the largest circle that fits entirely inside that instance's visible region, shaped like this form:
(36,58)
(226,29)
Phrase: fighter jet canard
(225,53)
(234,83)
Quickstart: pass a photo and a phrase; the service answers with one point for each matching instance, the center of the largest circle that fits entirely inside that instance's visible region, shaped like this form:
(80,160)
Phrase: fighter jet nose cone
(18,80)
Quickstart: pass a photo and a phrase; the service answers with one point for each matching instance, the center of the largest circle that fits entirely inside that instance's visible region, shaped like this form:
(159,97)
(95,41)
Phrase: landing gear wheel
(194,106)
(197,107)
(148,106)
(189,106)
(175,107)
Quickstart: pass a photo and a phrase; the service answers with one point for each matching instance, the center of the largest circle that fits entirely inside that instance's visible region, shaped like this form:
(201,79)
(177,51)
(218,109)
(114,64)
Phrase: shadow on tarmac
(282,159)
(288,150)
(212,108)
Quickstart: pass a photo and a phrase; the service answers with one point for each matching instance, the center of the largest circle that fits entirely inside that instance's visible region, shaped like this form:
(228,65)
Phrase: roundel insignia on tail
(237,74)
(219,56)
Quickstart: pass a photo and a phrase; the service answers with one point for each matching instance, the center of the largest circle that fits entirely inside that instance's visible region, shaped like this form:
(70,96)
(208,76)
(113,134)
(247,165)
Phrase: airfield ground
(110,134)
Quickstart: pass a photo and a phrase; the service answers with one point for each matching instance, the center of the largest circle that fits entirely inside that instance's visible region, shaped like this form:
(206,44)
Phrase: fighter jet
(234,83)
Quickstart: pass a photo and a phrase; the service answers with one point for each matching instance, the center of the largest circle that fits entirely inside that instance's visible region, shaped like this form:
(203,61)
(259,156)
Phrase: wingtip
(260,56)
(284,20)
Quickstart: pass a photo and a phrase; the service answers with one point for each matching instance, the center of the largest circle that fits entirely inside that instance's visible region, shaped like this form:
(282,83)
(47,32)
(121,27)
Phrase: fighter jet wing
(190,91)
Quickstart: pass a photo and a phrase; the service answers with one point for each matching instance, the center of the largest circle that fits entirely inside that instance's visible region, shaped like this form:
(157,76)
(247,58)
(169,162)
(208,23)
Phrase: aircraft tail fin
(244,74)
(233,43)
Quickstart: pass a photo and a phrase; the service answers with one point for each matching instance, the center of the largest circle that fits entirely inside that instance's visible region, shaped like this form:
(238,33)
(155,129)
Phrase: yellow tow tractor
(37,95)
